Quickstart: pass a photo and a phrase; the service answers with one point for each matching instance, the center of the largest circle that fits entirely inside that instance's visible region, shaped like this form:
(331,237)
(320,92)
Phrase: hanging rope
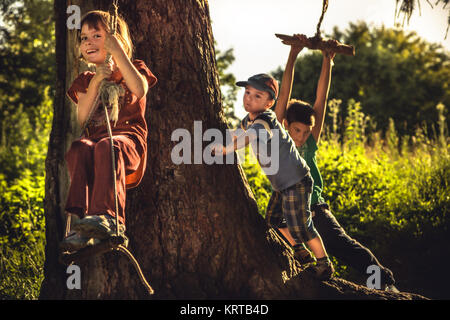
(111,244)
(113,169)
(109,92)
(110,95)
(324,9)
(133,260)
(316,42)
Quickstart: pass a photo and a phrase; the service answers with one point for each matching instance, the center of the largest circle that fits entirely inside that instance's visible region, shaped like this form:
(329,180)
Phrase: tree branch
(316,43)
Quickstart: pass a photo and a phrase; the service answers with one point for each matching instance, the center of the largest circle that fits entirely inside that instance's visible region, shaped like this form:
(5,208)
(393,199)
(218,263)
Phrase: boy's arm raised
(288,77)
(323,87)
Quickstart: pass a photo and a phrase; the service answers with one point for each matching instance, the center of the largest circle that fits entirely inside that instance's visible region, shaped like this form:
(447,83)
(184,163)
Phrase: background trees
(26,84)
(27,80)
(404,76)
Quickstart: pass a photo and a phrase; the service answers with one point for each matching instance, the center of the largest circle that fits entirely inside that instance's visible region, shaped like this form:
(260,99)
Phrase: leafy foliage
(227,85)
(258,182)
(26,83)
(403,78)
(26,87)
(407,7)
(21,271)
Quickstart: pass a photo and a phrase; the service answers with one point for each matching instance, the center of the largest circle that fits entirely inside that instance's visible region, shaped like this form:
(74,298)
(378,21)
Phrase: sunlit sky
(249,26)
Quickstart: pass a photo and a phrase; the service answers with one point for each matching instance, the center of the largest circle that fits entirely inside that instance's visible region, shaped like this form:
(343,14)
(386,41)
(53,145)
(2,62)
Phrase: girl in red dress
(91,195)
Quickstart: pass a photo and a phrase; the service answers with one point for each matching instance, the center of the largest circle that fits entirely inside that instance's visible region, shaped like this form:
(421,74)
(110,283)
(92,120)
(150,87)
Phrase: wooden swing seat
(110,244)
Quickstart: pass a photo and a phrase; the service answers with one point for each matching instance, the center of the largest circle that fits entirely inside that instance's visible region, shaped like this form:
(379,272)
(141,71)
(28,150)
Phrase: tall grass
(22,189)
(21,271)
(22,238)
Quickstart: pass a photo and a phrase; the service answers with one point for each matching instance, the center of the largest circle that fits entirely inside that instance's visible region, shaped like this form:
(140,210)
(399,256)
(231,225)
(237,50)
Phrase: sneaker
(303,256)
(74,242)
(322,270)
(99,227)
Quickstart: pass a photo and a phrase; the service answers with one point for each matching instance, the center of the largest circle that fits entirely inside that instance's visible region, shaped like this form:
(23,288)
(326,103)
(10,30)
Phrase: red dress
(91,190)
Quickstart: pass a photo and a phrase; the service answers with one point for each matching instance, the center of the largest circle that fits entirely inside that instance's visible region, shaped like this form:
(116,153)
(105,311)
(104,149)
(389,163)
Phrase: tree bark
(194,228)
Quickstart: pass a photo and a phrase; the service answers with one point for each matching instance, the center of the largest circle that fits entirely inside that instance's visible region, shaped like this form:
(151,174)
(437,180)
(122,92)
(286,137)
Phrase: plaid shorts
(291,208)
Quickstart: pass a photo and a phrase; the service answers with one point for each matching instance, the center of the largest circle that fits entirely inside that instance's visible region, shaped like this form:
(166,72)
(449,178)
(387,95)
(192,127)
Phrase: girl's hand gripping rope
(112,45)
(103,72)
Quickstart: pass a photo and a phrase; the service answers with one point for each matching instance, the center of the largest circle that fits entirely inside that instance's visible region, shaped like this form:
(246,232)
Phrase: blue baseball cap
(263,82)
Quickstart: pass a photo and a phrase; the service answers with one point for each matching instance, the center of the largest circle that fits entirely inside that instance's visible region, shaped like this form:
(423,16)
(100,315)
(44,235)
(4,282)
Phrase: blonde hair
(96,17)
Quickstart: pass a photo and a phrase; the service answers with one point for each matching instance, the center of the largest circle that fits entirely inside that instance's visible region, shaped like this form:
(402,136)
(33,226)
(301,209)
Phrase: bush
(22,189)
(22,237)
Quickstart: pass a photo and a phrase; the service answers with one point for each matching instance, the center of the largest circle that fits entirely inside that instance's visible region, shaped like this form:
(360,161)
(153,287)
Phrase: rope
(66,232)
(113,98)
(112,244)
(324,9)
(115,113)
(113,169)
(109,96)
(135,263)
(112,95)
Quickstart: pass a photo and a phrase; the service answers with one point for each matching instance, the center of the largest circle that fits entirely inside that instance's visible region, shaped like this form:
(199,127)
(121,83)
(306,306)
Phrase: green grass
(22,238)
(21,271)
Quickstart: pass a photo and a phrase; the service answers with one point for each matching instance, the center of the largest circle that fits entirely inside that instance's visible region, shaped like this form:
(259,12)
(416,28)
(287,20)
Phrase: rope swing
(109,93)
(316,42)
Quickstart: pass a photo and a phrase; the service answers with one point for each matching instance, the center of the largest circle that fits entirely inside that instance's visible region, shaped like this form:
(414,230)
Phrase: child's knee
(79,149)
(81,145)
(103,147)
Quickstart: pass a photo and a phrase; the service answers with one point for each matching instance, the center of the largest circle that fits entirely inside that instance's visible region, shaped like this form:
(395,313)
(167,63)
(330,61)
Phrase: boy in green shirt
(304,124)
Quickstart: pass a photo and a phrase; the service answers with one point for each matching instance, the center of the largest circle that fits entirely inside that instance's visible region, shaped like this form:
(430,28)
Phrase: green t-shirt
(308,152)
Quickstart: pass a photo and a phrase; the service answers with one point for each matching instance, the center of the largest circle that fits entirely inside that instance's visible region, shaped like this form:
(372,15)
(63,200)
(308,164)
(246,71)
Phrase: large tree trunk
(194,228)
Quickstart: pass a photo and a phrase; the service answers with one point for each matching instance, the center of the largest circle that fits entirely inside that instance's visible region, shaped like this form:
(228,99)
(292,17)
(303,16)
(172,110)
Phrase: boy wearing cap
(292,179)
(304,124)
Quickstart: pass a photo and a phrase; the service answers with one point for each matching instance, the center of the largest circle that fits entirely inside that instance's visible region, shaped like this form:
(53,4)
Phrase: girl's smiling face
(92,43)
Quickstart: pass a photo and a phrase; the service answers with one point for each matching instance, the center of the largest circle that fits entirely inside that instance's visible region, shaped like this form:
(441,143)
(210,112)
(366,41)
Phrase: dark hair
(300,111)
